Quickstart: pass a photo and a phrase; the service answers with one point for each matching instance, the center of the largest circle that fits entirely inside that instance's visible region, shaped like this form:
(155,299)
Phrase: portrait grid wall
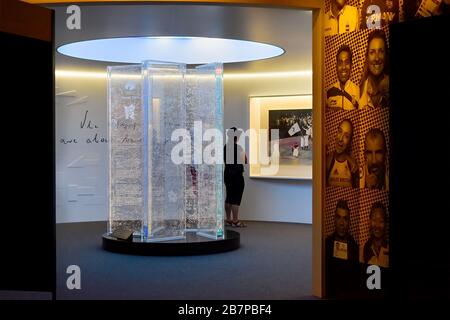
(356,96)
(363,117)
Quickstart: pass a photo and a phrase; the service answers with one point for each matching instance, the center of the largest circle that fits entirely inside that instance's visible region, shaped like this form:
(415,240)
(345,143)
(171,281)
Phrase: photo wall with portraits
(356,97)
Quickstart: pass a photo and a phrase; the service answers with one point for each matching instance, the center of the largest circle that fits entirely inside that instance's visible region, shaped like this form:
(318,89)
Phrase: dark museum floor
(274,262)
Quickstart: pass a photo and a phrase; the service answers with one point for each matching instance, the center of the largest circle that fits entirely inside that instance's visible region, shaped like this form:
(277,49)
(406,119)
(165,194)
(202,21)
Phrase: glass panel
(193,114)
(208,109)
(126,162)
(164,94)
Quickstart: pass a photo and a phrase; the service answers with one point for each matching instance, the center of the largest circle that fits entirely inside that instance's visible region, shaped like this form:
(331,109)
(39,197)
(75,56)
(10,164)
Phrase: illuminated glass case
(154,111)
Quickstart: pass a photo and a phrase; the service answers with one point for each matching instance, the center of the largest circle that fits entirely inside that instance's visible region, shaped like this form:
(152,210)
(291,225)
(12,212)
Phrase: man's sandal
(228,223)
(239,224)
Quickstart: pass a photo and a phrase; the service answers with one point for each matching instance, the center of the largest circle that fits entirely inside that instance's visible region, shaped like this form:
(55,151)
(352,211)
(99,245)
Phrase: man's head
(377,53)
(375,155)
(344,63)
(233,134)
(342,218)
(378,220)
(344,136)
(390,4)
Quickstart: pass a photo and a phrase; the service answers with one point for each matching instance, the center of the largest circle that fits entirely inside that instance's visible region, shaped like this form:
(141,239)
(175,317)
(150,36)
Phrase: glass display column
(156,112)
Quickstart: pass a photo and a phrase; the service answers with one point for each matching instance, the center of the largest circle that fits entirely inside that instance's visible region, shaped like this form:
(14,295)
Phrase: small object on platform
(122,234)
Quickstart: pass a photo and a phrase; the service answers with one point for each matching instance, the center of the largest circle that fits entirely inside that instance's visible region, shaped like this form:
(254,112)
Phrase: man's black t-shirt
(234,166)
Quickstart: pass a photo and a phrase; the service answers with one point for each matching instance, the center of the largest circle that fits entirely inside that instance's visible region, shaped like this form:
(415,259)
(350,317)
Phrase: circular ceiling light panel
(189,50)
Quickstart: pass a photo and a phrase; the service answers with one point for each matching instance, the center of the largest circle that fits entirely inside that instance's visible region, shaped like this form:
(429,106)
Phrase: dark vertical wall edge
(28,131)
(53,155)
(420,159)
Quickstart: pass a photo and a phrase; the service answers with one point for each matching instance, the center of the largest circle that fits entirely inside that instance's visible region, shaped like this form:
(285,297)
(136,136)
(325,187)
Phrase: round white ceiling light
(189,50)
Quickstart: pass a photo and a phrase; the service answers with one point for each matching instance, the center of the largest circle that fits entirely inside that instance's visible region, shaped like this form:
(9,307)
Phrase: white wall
(268,199)
(81,168)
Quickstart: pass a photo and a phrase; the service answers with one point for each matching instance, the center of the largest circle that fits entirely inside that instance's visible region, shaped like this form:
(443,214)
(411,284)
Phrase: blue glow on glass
(189,50)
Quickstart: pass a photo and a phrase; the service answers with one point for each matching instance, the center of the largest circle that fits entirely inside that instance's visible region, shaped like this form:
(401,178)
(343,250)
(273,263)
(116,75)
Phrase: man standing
(374,173)
(235,158)
(344,94)
(341,18)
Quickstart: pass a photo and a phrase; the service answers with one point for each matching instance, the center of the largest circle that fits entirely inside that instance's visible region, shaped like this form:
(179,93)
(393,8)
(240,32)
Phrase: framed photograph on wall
(281,137)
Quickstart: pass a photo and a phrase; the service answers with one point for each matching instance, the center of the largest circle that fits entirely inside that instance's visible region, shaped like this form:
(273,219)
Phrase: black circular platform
(192,245)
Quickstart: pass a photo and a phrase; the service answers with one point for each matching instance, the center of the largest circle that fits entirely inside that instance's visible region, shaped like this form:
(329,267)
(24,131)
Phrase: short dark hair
(378,205)
(231,131)
(342,204)
(375,132)
(345,48)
